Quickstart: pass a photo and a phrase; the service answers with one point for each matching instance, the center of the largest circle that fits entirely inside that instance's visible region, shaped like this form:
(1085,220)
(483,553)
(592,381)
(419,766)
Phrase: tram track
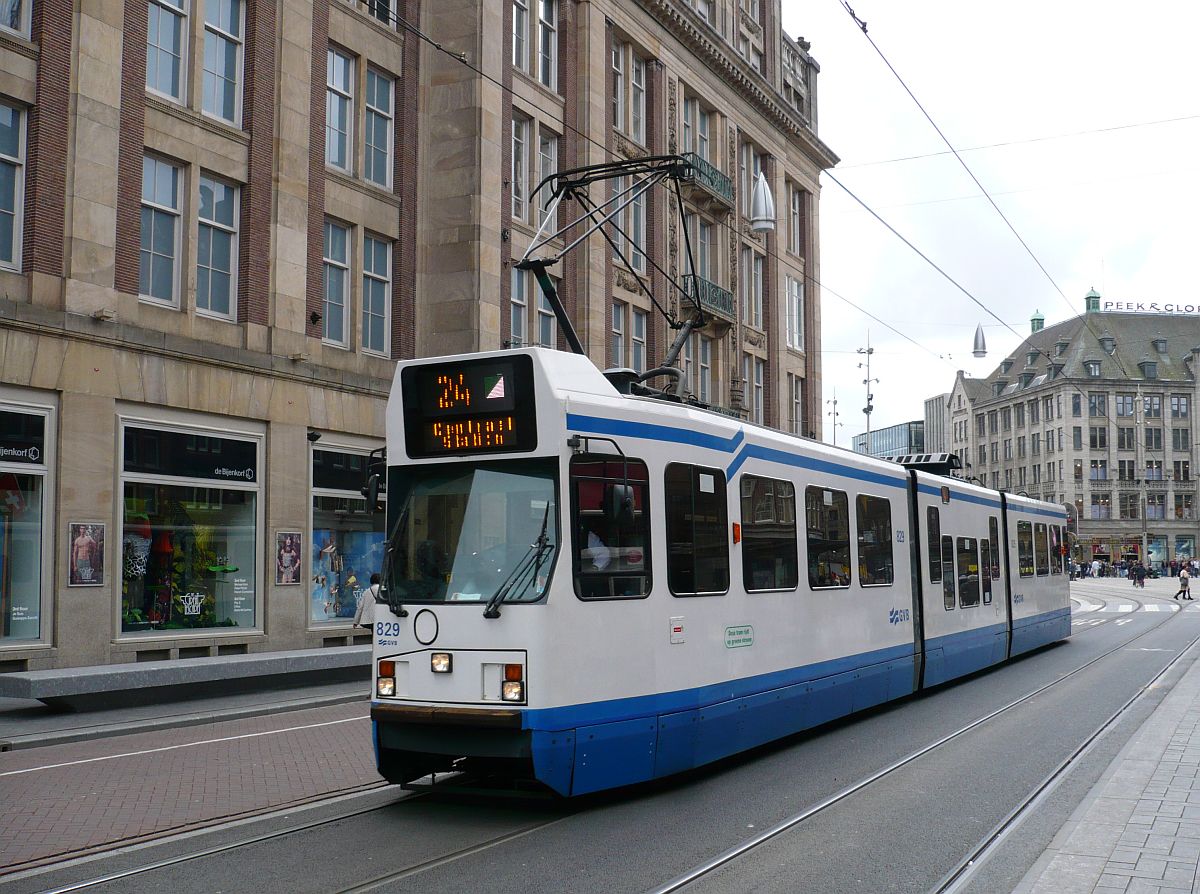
(956,879)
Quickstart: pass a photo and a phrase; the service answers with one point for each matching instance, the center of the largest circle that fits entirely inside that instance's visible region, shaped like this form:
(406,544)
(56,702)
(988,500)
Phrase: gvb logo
(899,615)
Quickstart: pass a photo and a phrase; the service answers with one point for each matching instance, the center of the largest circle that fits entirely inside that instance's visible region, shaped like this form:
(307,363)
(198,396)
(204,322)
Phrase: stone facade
(97,349)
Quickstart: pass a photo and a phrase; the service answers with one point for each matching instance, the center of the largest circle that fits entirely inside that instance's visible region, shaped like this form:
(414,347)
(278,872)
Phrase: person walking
(364,613)
(1184,581)
(1139,575)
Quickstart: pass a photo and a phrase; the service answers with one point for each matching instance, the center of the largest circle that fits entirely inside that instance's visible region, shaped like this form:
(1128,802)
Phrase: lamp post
(867,352)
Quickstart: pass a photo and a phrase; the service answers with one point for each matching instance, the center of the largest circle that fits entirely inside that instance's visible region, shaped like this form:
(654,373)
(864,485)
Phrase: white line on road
(109,757)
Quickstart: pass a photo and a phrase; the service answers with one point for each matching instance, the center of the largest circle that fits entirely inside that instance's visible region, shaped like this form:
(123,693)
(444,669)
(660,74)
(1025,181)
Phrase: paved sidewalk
(1138,831)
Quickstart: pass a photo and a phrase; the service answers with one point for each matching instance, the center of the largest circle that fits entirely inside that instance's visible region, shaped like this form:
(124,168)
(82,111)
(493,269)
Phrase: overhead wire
(462,58)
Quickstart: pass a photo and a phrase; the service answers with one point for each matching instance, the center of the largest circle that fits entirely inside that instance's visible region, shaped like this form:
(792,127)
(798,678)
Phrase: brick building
(222,221)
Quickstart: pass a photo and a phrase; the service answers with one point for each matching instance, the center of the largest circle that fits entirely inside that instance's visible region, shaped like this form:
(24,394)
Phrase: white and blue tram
(592,589)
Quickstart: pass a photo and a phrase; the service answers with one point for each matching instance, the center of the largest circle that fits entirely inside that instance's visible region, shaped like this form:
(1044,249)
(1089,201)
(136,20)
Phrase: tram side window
(1055,549)
(874,540)
(968,572)
(611,527)
(948,572)
(1025,548)
(985,563)
(697,522)
(768,534)
(933,523)
(997,546)
(827,518)
(1041,550)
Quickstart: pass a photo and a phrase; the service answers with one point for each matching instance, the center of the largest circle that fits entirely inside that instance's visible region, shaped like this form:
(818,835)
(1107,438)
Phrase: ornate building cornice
(683,24)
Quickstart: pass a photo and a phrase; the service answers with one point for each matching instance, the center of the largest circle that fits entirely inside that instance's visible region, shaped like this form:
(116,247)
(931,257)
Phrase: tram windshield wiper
(385,577)
(525,571)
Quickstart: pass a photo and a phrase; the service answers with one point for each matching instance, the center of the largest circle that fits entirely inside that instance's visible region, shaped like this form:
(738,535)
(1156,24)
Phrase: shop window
(23,467)
(827,519)
(697,526)
(189,538)
(347,538)
(768,534)
(611,528)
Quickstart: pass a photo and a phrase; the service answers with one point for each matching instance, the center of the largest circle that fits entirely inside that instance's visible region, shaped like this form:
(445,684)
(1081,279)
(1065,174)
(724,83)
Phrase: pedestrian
(364,614)
(1139,575)
(1183,585)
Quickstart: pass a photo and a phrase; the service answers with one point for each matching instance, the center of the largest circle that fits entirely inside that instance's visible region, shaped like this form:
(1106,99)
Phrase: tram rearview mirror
(370,490)
(618,503)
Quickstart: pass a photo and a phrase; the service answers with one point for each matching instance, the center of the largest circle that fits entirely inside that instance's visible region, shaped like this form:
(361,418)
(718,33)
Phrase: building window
(520,25)
(1179,406)
(337,283)
(158,273)
(165,35)
(618,335)
(1184,509)
(216,251)
(377,154)
(1125,439)
(1152,404)
(1076,406)
(629,94)
(547,167)
(12,184)
(1124,404)
(519,308)
(631,241)
(1181,439)
(1156,506)
(189,555)
(1154,439)
(1006,419)
(796,215)
(637,352)
(704,383)
(753,373)
(548,43)
(751,163)
(1098,437)
(347,537)
(1126,469)
(223,59)
(14,16)
(1098,470)
(24,467)
(377,290)
(1008,452)
(1093,368)
(382,10)
(520,165)
(1097,405)
(1127,505)
(1077,437)
(795,313)
(1154,470)
(696,129)
(545,322)
(796,404)
(339,106)
(1101,506)
(1183,470)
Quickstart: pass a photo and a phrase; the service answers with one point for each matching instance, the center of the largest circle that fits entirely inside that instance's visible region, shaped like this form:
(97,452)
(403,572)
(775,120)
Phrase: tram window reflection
(697,530)
(968,572)
(1041,550)
(874,515)
(934,526)
(1025,548)
(768,534)
(948,572)
(827,518)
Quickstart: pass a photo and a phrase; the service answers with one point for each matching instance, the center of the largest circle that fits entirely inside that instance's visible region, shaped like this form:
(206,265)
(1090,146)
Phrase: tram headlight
(385,683)
(513,691)
(441,663)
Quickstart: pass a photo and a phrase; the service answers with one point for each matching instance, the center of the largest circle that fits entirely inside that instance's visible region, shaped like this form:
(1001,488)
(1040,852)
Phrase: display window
(23,471)
(189,533)
(347,536)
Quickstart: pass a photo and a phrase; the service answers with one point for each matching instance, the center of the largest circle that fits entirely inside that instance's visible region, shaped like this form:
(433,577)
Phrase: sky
(1098,106)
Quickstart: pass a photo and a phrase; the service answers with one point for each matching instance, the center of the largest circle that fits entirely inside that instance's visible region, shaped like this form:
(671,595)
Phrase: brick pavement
(1138,831)
(66,799)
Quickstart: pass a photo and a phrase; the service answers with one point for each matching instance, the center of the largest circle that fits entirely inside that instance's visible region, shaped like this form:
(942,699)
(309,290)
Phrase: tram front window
(467,531)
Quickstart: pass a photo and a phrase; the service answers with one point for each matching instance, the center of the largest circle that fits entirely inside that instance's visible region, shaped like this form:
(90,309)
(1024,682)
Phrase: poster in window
(287,558)
(86,559)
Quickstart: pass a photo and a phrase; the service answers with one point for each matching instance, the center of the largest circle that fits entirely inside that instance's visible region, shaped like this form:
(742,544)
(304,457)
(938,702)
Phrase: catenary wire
(461,58)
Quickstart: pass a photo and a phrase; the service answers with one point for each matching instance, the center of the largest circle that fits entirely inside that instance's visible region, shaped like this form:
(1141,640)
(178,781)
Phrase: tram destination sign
(469,407)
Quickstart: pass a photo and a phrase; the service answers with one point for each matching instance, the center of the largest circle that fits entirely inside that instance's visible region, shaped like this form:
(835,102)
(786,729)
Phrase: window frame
(369,277)
(576,523)
(18,163)
(179,11)
(346,266)
(232,230)
(839,499)
(777,545)
(343,96)
(215,30)
(720,503)
(176,212)
(861,502)
(388,116)
(547,44)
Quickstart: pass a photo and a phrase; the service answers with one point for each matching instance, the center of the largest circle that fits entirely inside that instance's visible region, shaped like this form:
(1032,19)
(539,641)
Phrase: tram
(591,588)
